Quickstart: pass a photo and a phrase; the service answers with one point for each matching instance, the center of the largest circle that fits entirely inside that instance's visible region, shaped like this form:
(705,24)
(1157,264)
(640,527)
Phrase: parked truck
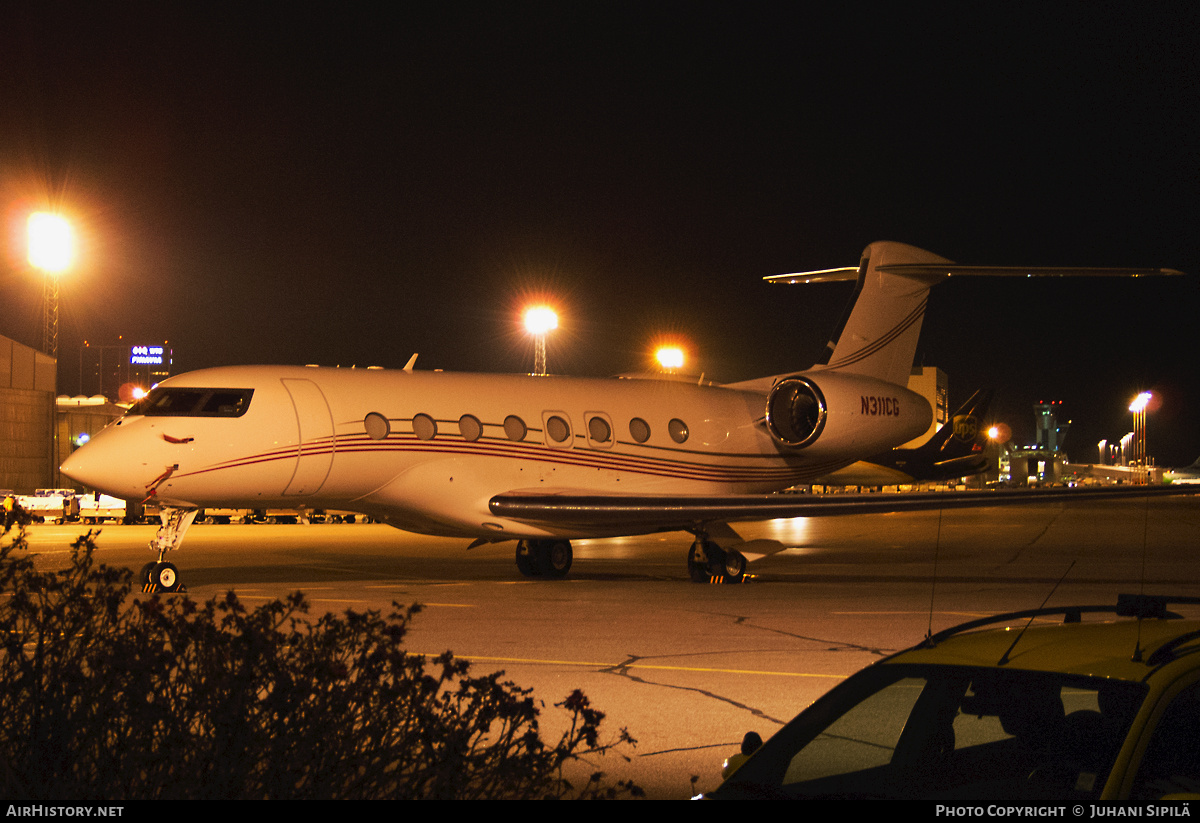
(51,505)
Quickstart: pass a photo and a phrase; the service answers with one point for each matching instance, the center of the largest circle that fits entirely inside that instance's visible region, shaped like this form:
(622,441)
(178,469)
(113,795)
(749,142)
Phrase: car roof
(1125,650)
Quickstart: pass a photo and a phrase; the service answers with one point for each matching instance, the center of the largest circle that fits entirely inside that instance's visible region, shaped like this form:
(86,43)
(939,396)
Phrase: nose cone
(105,465)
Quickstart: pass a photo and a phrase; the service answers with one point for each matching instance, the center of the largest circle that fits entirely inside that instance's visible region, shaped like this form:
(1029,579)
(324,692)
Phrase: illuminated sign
(146,355)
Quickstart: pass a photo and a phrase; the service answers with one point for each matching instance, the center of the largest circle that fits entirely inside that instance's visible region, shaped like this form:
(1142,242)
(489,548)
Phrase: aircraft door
(315,441)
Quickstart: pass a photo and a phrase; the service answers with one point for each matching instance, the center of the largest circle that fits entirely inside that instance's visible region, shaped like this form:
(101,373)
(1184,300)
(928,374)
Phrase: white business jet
(540,459)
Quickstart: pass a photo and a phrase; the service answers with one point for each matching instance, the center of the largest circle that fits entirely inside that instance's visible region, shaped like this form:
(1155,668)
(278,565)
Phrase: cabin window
(182,402)
(424,427)
(599,431)
(515,428)
(558,429)
(678,430)
(376,426)
(639,430)
(469,427)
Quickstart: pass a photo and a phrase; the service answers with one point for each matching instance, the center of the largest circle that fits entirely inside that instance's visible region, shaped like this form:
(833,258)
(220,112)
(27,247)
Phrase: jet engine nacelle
(840,413)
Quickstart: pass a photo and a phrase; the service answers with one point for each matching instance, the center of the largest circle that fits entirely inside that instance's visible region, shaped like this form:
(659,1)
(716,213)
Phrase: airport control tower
(1049,433)
(1043,461)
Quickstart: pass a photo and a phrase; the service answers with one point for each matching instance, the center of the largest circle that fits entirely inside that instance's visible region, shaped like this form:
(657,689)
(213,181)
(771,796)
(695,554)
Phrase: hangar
(27,411)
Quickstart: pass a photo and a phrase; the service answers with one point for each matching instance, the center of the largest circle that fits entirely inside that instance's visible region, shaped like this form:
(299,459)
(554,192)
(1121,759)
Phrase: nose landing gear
(163,576)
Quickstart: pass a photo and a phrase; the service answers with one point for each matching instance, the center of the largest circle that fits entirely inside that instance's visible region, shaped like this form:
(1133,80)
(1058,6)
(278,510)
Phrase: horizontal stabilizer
(955,270)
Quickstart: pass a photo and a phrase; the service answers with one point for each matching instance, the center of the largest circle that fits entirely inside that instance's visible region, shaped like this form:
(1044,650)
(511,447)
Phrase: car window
(1171,764)
(863,738)
(950,732)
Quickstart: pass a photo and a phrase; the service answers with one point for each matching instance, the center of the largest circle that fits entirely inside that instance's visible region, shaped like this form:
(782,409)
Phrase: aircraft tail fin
(955,450)
(878,336)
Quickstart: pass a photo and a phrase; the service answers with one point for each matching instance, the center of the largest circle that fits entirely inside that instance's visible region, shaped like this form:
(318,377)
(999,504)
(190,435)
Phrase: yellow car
(1073,711)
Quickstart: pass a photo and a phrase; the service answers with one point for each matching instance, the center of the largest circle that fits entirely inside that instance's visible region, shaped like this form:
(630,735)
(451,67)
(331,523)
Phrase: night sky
(283,183)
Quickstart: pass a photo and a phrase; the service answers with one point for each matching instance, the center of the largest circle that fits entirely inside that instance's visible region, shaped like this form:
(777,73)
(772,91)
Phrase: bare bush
(106,698)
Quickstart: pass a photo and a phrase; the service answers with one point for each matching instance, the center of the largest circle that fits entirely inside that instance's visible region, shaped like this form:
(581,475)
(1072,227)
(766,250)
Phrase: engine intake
(796,412)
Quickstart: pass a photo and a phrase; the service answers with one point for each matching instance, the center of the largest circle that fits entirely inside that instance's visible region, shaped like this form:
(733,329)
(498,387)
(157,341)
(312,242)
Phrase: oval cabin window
(599,431)
(377,426)
(469,427)
(424,427)
(515,428)
(557,429)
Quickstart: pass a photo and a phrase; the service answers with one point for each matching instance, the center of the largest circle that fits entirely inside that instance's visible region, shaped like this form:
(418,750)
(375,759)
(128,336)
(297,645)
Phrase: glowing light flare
(999,433)
(669,357)
(797,533)
(1140,402)
(130,393)
(540,320)
(51,242)
(1146,401)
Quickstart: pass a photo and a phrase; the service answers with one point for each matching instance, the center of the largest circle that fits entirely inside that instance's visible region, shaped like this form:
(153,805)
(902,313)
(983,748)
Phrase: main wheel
(554,558)
(698,562)
(735,566)
(709,563)
(526,563)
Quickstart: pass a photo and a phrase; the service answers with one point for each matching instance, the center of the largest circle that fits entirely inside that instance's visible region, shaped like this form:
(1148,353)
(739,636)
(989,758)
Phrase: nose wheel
(161,577)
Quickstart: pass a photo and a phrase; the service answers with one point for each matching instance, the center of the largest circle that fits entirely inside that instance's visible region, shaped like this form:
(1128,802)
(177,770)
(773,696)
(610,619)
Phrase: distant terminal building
(27,382)
(115,371)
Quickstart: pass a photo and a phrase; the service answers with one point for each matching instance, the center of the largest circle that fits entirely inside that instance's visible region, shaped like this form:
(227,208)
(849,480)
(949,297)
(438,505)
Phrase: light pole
(51,251)
(540,321)
(1138,407)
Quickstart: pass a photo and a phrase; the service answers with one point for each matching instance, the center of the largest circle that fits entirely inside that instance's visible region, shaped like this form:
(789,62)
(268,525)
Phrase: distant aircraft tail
(956,449)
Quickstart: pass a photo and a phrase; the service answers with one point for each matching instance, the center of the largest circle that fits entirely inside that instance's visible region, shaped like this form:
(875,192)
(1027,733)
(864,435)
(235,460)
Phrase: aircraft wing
(634,514)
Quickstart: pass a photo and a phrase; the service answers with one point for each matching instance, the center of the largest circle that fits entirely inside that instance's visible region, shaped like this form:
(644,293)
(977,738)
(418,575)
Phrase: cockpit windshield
(177,401)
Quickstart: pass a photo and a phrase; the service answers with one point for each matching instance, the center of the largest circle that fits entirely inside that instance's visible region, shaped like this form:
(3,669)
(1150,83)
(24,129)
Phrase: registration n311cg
(540,460)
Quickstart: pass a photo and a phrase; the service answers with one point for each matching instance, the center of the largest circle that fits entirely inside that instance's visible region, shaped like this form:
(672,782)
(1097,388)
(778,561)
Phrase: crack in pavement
(625,667)
(838,645)
(622,669)
(1036,538)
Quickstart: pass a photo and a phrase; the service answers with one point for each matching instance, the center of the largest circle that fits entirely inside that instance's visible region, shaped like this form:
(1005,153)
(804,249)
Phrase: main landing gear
(550,559)
(162,576)
(709,563)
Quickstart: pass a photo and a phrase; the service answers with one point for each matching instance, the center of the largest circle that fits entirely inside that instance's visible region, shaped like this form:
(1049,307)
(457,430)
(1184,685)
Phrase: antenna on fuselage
(411,362)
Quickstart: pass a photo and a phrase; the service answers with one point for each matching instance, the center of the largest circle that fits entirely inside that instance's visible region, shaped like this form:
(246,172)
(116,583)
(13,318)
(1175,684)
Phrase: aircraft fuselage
(427,450)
